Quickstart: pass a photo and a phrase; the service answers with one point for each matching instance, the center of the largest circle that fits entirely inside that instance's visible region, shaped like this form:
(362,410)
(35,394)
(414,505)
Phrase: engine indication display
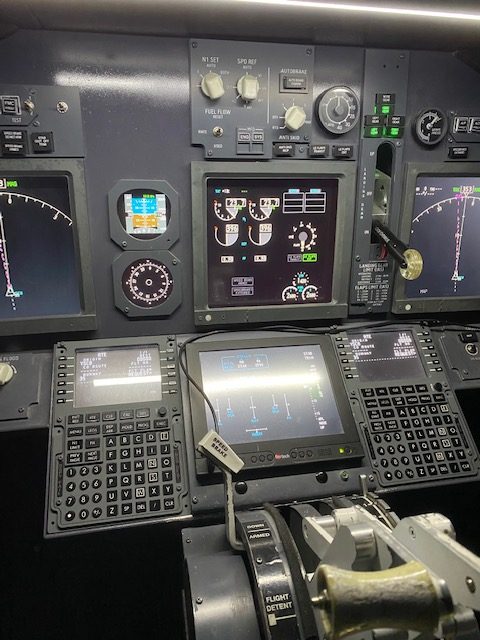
(272,393)
(270,240)
(37,248)
(147,283)
(445,227)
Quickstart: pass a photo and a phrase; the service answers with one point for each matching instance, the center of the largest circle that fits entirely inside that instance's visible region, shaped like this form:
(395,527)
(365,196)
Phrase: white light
(148,85)
(114,382)
(377,10)
(259,382)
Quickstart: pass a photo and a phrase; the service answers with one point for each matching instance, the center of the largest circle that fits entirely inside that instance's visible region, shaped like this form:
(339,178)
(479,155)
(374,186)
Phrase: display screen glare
(117,376)
(269,393)
(271,241)
(390,355)
(445,229)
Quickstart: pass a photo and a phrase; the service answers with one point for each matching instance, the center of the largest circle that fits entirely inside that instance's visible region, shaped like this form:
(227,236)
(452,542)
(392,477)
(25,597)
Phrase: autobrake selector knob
(6,373)
(248,87)
(212,85)
(295,117)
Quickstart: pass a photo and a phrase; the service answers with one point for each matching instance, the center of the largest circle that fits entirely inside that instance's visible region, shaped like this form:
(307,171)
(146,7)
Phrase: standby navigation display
(271,241)
(445,229)
(389,355)
(117,376)
(269,393)
(38,267)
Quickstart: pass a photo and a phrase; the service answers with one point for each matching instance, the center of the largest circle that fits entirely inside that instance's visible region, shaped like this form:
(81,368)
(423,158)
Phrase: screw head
(198,600)
(470,584)
(62,107)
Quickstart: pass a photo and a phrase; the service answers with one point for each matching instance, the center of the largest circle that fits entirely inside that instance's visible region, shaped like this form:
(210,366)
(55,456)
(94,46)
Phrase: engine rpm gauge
(147,283)
(430,126)
(338,110)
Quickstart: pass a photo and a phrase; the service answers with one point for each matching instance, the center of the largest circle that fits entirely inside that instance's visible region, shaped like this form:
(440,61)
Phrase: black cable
(380,326)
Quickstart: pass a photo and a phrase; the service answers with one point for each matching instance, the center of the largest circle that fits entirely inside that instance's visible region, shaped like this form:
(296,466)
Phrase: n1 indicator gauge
(338,110)
(430,127)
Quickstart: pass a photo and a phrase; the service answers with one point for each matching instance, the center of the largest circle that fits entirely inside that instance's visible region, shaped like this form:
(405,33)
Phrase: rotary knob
(295,118)
(248,87)
(6,373)
(212,86)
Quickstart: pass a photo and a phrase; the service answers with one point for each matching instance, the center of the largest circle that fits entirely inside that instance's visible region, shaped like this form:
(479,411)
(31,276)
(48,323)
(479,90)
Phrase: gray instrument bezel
(125,305)
(120,236)
(428,305)
(86,320)
(338,306)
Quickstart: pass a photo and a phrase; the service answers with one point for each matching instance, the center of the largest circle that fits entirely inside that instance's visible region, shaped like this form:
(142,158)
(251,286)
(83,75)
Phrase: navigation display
(38,267)
(389,355)
(271,241)
(269,393)
(117,376)
(445,229)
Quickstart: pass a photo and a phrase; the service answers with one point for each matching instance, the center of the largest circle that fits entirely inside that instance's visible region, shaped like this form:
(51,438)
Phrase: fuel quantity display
(270,241)
(38,272)
(445,229)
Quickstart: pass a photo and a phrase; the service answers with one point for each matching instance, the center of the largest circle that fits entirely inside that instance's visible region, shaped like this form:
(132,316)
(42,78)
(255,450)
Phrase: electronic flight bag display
(275,403)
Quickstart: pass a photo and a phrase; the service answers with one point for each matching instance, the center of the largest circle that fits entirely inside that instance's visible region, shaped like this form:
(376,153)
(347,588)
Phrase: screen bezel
(337,307)
(401,303)
(350,435)
(72,169)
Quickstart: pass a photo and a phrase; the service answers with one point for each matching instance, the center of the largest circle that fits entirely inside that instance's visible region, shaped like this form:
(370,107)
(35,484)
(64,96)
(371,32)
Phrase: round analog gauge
(338,110)
(430,126)
(147,283)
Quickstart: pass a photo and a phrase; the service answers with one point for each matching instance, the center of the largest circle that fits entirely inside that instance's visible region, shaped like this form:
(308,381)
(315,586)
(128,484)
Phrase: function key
(92,443)
(421,388)
(371,403)
(143,424)
(92,456)
(439,397)
(74,432)
(108,429)
(142,413)
(395,391)
(377,425)
(93,417)
(385,402)
(408,388)
(76,418)
(425,398)
(368,393)
(109,416)
(161,424)
(92,430)
(127,427)
(126,414)
(168,503)
(381,391)
(74,458)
